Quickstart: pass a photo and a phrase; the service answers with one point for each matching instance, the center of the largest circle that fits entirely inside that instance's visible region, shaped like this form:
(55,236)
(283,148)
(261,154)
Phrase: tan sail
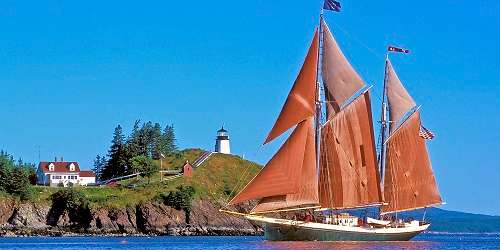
(348,165)
(399,100)
(339,78)
(282,174)
(307,194)
(301,100)
(409,179)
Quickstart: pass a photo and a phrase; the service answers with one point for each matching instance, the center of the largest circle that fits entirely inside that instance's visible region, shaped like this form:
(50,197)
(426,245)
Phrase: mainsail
(409,181)
(348,165)
(301,101)
(339,78)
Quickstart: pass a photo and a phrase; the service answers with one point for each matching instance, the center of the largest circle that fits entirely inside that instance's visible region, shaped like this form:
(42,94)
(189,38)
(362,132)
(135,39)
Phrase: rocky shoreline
(147,219)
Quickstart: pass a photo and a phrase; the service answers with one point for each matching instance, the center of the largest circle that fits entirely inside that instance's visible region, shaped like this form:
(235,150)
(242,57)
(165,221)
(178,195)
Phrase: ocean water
(425,241)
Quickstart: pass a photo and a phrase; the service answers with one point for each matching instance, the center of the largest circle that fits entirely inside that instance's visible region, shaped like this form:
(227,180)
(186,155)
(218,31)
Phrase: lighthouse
(222,142)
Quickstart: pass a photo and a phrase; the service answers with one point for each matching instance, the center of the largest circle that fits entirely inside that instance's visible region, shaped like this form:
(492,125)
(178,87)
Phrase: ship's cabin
(342,219)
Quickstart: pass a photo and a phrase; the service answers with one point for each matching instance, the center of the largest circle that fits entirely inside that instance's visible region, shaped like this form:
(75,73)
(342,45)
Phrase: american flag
(425,133)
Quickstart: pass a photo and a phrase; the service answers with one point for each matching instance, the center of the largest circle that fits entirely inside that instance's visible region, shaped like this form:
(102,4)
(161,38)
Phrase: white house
(59,173)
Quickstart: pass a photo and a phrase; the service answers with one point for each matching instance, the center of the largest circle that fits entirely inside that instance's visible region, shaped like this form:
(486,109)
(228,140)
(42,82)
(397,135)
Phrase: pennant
(396,49)
(332,5)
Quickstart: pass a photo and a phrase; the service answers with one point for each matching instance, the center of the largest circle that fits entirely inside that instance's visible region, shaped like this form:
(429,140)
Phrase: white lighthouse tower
(222,142)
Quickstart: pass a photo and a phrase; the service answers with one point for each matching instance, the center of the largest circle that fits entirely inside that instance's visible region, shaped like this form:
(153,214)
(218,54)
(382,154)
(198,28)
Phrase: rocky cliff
(151,218)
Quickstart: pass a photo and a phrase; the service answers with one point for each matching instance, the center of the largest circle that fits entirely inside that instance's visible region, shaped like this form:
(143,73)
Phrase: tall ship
(330,164)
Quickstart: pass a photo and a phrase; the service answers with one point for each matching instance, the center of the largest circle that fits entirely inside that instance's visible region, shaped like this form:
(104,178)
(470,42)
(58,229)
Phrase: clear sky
(70,71)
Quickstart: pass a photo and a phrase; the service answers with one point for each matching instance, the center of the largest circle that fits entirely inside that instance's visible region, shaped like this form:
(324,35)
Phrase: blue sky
(71,71)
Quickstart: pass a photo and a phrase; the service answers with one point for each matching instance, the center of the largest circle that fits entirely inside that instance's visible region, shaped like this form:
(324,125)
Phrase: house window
(71,167)
(51,167)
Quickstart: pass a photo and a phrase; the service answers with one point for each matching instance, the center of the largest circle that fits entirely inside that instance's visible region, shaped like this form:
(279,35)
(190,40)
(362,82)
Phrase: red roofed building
(63,173)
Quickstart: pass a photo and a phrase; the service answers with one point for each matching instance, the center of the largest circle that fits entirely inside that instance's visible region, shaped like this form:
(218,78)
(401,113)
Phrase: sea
(424,241)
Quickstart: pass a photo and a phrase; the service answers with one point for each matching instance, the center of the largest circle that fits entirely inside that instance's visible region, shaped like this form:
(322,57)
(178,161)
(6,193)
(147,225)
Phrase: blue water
(426,241)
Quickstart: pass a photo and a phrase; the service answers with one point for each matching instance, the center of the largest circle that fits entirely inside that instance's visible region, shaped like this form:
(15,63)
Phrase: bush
(75,204)
(143,164)
(19,183)
(181,199)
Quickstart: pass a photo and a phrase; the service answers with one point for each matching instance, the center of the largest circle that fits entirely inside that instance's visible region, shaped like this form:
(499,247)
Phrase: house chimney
(55,159)
(62,159)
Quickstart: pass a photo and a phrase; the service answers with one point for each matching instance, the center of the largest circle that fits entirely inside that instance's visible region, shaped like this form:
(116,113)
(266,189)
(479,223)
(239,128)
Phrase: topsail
(340,79)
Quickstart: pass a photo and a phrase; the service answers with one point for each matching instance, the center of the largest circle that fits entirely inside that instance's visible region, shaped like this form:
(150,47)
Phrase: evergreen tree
(170,141)
(134,141)
(158,142)
(19,183)
(99,165)
(6,168)
(147,138)
(116,165)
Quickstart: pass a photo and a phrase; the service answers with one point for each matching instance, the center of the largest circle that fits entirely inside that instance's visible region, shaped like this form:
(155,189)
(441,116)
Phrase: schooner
(334,165)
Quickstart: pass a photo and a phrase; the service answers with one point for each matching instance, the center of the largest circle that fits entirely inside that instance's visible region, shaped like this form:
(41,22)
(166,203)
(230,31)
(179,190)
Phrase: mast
(383,126)
(317,125)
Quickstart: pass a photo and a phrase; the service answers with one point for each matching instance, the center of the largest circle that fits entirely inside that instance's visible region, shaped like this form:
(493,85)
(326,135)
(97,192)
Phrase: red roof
(59,166)
(87,174)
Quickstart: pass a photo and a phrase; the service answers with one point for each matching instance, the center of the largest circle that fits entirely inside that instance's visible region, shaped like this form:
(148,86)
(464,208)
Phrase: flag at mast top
(332,5)
(397,49)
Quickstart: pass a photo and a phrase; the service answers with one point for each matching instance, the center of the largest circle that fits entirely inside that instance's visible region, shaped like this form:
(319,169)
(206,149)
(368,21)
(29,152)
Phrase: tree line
(16,176)
(135,152)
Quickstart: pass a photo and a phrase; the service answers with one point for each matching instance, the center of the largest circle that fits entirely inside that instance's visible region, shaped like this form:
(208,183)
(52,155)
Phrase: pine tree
(147,139)
(133,146)
(6,168)
(158,142)
(99,165)
(116,165)
(170,140)
(19,183)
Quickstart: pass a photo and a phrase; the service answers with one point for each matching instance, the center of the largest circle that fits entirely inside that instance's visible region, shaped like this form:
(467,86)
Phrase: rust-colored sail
(307,194)
(301,101)
(409,180)
(339,78)
(348,165)
(399,100)
(282,174)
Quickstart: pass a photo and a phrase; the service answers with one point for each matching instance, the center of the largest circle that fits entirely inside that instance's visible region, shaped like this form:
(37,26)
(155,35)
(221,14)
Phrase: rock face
(18,218)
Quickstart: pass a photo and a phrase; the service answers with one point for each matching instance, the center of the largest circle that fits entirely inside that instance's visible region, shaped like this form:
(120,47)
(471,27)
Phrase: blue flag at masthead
(332,5)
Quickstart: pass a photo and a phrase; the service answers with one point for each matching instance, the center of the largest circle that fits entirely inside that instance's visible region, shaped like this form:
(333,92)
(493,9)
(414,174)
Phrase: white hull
(292,230)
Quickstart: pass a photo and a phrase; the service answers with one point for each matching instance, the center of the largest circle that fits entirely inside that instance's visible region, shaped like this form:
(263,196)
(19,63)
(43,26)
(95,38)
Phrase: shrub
(75,204)
(181,199)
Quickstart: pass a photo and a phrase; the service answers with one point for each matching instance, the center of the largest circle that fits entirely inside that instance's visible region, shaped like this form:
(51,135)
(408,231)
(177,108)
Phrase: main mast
(317,125)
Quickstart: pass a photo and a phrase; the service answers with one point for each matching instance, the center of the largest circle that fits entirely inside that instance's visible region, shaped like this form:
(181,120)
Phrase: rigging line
(245,174)
(372,51)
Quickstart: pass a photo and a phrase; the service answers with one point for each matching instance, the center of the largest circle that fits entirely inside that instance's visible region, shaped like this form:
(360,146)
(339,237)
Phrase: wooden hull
(289,230)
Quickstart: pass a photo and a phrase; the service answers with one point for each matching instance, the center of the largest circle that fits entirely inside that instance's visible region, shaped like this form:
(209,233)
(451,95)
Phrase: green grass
(214,179)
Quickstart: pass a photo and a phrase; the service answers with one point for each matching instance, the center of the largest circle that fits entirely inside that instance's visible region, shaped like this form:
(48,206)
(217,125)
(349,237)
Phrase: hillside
(452,221)
(135,206)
